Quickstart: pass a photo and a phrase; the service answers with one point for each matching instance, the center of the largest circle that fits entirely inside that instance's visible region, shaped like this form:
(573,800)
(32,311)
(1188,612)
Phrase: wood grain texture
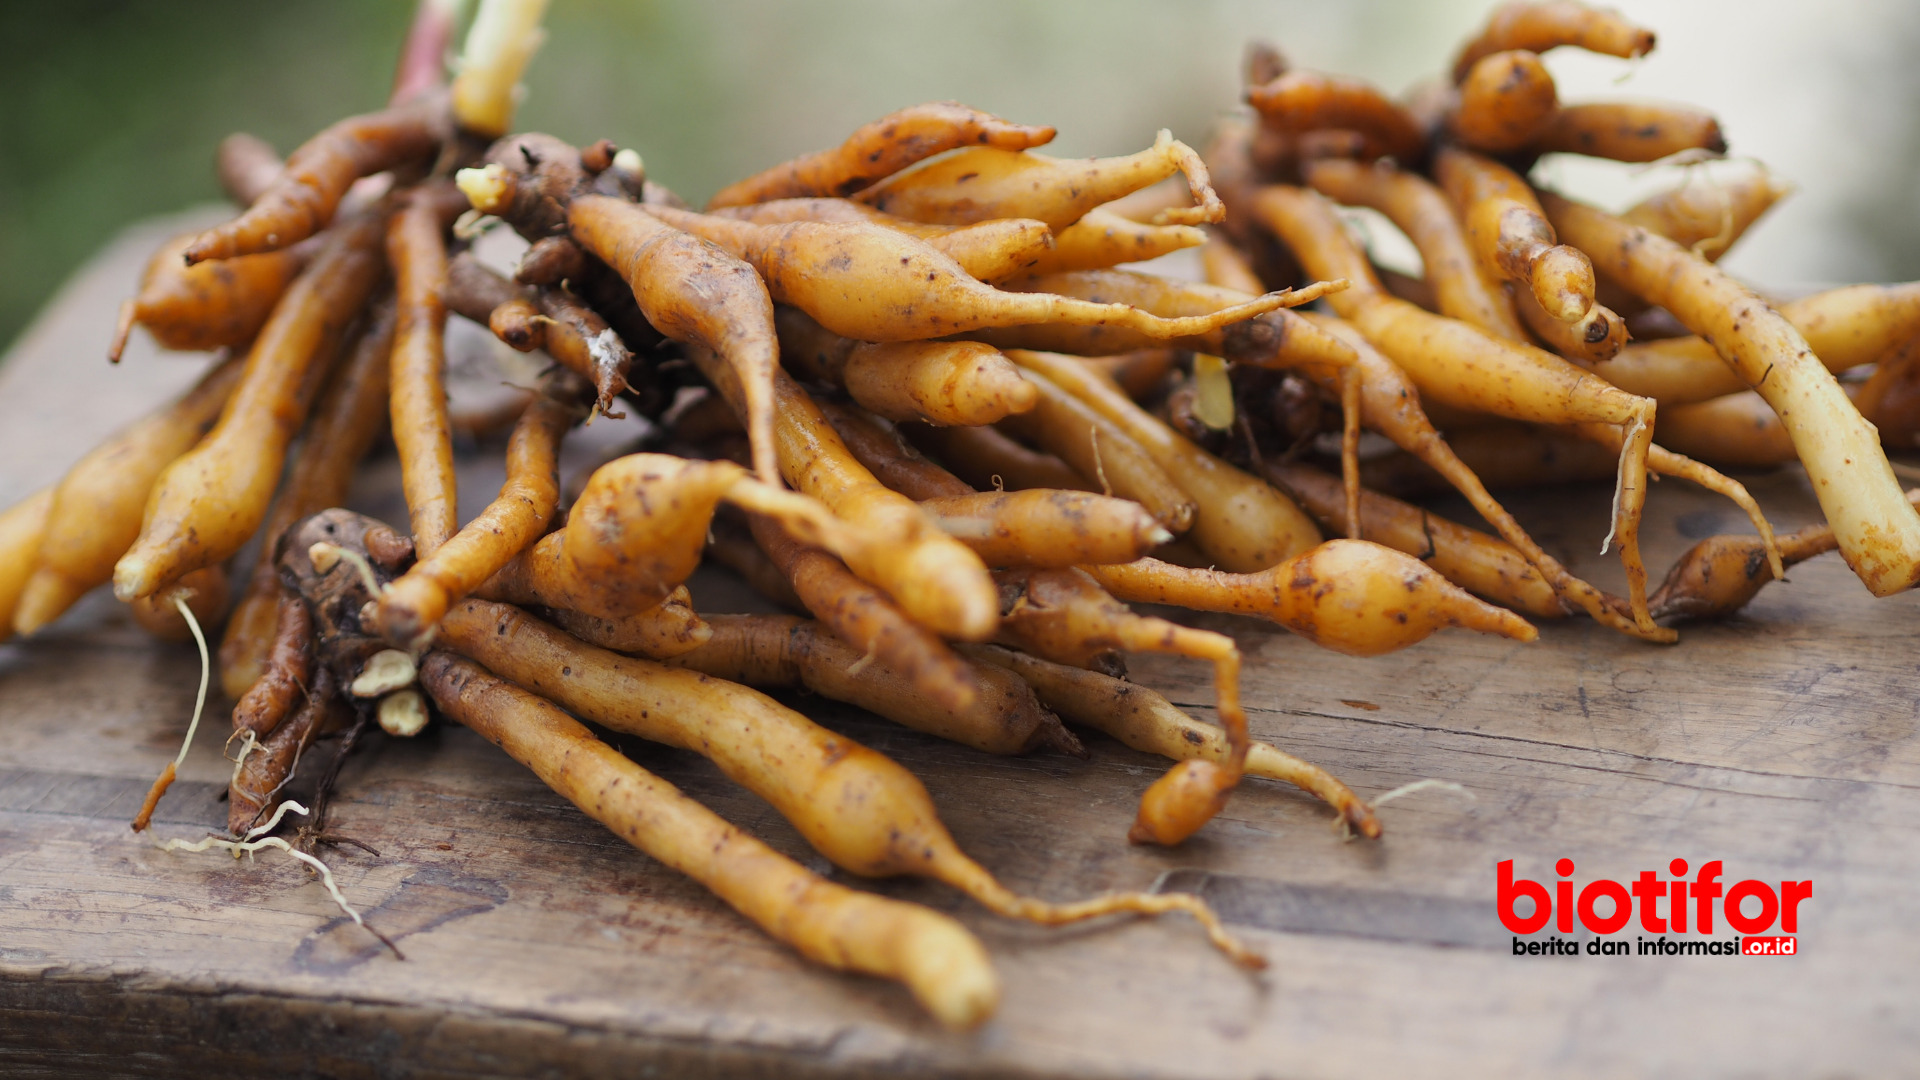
(1782,742)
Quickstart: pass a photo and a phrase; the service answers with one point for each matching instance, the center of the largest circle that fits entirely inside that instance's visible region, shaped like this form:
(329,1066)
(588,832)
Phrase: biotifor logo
(1678,905)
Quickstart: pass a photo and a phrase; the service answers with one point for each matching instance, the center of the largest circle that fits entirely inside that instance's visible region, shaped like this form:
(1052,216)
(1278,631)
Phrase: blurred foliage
(1883,210)
(113,108)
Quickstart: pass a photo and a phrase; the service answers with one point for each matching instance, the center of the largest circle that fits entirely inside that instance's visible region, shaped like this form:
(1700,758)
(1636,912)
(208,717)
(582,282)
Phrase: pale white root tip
(1213,392)
(386,671)
(487,189)
(403,714)
(325,557)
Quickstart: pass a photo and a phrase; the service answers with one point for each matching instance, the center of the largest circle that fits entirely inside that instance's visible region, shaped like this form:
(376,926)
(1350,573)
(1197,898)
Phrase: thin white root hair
(472,223)
(274,821)
(1632,68)
(292,771)
(329,554)
(1421,785)
(326,877)
(206,673)
(248,847)
(165,780)
(1634,427)
(249,742)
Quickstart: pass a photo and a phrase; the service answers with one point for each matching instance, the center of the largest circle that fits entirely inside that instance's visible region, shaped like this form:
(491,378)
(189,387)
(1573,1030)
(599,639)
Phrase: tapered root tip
(1307,294)
(134,577)
(1036,135)
(1463,609)
(122,329)
(1243,956)
(1489,619)
(1055,736)
(1018,395)
(1561,278)
(1361,818)
(46,596)
(976,616)
(1233,948)
(952,978)
(159,788)
(208,245)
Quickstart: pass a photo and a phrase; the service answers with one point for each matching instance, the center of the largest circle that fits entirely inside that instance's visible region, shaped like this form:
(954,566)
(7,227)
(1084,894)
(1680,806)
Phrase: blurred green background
(112,108)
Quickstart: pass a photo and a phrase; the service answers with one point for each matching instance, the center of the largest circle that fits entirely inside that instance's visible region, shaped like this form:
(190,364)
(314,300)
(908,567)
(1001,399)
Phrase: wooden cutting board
(1782,742)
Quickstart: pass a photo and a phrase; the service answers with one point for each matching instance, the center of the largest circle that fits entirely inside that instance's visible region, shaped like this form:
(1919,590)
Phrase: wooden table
(1782,742)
